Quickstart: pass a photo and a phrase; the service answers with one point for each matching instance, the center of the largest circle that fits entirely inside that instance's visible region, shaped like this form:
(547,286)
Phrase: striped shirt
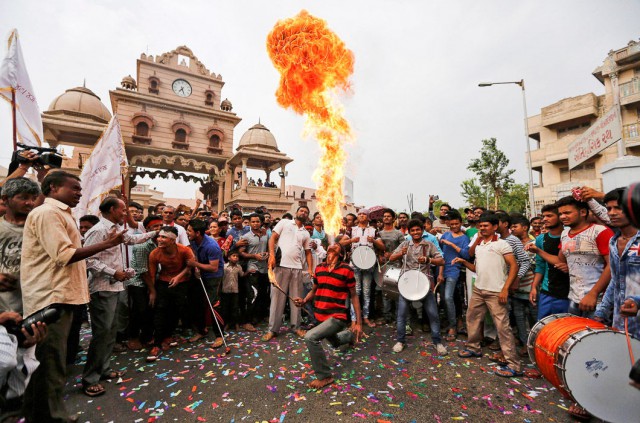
(332,290)
(140,262)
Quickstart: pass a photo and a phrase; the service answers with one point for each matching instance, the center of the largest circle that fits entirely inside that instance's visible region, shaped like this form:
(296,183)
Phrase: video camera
(47,315)
(46,157)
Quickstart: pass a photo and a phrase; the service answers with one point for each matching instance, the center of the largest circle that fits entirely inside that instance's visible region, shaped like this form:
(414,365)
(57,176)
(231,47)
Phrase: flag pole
(126,248)
(13,117)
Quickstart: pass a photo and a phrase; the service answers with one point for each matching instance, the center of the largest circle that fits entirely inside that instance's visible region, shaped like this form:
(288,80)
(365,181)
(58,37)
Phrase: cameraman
(17,361)
(28,161)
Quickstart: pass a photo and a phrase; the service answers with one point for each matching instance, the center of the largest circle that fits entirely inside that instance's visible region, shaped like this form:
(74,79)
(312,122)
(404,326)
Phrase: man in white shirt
(168,219)
(293,240)
(496,269)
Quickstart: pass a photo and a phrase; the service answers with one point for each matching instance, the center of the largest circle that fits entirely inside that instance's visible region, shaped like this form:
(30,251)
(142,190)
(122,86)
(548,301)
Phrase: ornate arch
(145,159)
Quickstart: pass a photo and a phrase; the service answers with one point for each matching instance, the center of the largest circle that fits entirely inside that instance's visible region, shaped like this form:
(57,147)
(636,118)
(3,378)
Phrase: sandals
(494,346)
(468,353)
(498,358)
(113,374)
(578,412)
(450,337)
(507,372)
(93,390)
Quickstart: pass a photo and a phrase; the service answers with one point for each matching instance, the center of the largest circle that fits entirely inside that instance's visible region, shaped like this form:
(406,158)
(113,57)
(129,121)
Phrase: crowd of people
(194,275)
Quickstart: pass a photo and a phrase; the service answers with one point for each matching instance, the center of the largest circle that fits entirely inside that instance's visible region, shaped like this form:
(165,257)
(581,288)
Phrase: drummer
(419,254)
(364,235)
(392,238)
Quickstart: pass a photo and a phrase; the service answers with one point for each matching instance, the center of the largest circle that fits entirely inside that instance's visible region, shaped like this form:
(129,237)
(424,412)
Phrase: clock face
(181,88)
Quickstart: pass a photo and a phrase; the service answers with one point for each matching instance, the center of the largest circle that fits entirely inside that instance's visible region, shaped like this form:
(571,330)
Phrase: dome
(226,105)
(82,102)
(259,136)
(128,83)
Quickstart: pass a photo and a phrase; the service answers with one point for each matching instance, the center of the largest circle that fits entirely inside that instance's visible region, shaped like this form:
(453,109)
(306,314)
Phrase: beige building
(175,123)
(561,123)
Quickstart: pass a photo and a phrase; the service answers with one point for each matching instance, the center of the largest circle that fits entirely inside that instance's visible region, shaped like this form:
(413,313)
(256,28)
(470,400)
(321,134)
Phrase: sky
(416,110)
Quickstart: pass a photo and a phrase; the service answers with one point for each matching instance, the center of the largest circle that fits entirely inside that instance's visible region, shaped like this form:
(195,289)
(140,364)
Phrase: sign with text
(602,134)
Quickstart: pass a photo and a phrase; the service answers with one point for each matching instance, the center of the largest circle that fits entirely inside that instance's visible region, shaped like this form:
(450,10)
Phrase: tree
(491,170)
(473,193)
(516,199)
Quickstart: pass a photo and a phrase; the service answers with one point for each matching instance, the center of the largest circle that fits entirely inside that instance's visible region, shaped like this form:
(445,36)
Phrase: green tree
(516,199)
(474,194)
(491,170)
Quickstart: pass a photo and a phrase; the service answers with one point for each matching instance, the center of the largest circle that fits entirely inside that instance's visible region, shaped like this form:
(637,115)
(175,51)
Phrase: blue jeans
(449,291)
(336,332)
(523,312)
(364,278)
(430,308)
(574,308)
(548,305)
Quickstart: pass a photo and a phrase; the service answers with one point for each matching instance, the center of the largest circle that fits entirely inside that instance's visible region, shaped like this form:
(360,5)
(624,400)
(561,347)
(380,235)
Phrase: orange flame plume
(314,65)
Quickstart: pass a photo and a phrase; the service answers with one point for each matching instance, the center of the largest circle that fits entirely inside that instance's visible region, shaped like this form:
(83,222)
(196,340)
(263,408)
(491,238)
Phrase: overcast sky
(416,109)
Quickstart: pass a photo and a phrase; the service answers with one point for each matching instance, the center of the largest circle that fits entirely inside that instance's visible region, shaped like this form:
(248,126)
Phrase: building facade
(560,123)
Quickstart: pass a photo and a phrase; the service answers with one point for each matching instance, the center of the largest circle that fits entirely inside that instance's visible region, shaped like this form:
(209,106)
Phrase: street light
(526,135)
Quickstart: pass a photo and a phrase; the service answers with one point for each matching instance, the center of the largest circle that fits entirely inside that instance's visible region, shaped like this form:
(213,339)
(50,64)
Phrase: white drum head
(363,257)
(413,285)
(596,373)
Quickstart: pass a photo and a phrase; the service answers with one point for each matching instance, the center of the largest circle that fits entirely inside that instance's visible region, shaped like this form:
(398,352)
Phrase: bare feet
(369,323)
(321,383)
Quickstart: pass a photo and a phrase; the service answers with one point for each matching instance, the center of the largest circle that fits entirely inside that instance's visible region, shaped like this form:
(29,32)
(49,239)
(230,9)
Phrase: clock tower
(173,118)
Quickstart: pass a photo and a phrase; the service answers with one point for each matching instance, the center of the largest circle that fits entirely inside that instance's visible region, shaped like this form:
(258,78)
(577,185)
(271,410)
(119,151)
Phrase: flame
(315,65)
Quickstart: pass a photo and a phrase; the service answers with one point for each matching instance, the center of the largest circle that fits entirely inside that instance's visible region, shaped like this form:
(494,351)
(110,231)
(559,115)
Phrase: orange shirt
(170,266)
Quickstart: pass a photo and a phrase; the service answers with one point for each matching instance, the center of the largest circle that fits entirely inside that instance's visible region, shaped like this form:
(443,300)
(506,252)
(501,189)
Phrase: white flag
(15,79)
(103,171)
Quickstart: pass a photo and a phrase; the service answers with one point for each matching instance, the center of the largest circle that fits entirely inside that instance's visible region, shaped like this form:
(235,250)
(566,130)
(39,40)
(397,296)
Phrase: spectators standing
(232,273)
(550,288)
(168,219)
(493,256)
(53,271)
(454,244)
(254,307)
(209,263)
(107,272)
(392,238)
(293,240)
(140,329)
(169,272)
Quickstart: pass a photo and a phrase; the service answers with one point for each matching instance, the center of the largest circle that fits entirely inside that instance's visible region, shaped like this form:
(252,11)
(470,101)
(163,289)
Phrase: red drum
(588,363)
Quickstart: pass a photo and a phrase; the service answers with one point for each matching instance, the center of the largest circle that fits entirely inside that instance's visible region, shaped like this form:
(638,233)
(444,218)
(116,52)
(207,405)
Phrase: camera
(46,157)
(47,316)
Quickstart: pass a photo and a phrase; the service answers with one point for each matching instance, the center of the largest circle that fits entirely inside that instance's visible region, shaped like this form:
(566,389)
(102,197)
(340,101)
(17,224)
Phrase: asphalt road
(268,382)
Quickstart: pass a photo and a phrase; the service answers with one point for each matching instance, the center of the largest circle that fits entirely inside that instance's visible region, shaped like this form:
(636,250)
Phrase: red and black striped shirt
(332,291)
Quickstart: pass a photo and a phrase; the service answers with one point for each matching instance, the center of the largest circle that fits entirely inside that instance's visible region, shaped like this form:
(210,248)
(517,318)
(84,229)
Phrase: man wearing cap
(364,235)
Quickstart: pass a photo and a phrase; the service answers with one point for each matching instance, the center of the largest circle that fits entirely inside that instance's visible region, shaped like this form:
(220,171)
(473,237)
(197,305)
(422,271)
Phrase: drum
(363,257)
(414,285)
(390,283)
(588,363)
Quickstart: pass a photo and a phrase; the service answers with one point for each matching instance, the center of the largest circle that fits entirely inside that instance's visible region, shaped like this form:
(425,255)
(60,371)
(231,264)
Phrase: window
(154,84)
(209,99)
(142,129)
(181,136)
(214,141)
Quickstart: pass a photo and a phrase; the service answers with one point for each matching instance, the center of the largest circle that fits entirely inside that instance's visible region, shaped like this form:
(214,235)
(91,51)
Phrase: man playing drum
(392,238)
(419,254)
(364,236)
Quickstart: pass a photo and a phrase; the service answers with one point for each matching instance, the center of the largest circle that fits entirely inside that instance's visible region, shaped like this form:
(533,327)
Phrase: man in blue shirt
(210,262)
(624,289)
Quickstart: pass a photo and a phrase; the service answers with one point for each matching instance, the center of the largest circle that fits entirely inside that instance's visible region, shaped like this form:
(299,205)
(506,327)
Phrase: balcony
(631,134)
(569,109)
(140,139)
(630,92)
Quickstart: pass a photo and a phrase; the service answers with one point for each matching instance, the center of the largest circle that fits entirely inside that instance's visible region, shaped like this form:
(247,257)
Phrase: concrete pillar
(282,178)
(245,180)
(220,194)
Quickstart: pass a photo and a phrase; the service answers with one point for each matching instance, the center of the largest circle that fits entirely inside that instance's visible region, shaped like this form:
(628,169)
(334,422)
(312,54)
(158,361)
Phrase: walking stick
(216,316)
(274,282)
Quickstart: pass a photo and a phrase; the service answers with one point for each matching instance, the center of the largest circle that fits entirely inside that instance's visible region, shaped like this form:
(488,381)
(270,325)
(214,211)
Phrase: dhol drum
(414,285)
(587,362)
(390,283)
(363,257)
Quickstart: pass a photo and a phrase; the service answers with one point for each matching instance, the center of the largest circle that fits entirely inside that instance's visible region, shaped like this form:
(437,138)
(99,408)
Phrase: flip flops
(93,390)
(507,372)
(468,353)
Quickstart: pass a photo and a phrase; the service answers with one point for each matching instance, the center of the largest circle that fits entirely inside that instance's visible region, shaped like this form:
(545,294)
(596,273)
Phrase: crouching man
(333,282)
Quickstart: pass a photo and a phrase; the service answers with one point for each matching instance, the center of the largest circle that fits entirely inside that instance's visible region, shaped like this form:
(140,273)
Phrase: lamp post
(526,135)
